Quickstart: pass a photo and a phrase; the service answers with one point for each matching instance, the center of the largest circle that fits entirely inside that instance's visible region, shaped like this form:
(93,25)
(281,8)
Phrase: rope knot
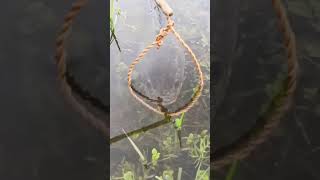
(164,32)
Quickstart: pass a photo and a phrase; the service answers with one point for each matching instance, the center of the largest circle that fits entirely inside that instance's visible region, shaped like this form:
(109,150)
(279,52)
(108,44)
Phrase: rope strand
(67,90)
(157,43)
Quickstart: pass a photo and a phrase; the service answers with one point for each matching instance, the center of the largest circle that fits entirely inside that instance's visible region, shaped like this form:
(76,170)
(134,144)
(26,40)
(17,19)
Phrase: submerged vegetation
(171,149)
(114,13)
(158,164)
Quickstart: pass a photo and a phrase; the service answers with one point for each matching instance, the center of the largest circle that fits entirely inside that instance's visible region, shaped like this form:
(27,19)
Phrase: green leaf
(155,156)
(179,122)
(202,175)
(159,178)
(128,175)
(167,175)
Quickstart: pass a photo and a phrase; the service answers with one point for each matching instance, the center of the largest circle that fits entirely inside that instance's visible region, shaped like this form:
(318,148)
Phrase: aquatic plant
(114,12)
(197,146)
(155,156)
(166,175)
(179,121)
(202,174)
(127,172)
(142,158)
(164,159)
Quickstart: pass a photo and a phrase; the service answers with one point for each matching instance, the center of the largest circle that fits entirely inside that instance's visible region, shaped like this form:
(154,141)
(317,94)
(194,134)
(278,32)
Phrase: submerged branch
(141,130)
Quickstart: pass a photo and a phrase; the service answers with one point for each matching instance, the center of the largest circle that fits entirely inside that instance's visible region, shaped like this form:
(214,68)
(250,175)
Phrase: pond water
(168,73)
(43,138)
(257,66)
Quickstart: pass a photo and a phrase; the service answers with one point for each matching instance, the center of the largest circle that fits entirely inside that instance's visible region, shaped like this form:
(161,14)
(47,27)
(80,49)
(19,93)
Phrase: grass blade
(135,147)
(179,173)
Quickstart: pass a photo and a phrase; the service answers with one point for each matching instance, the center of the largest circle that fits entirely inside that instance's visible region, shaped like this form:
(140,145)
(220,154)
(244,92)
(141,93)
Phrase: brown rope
(85,94)
(67,90)
(157,43)
(242,147)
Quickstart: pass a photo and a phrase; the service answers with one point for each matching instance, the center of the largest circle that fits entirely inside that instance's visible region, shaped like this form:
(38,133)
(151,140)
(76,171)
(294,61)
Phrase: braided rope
(157,43)
(67,90)
(242,147)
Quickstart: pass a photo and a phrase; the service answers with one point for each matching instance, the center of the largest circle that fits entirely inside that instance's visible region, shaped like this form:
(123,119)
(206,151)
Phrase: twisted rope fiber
(67,90)
(85,94)
(242,147)
(157,43)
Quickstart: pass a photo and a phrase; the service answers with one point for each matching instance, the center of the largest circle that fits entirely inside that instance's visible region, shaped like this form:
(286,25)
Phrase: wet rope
(157,43)
(69,92)
(243,146)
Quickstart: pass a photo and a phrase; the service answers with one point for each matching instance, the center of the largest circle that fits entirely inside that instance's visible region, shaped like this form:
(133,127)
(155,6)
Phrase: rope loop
(157,43)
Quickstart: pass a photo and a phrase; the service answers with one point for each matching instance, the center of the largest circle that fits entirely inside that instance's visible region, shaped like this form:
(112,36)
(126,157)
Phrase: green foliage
(127,172)
(168,145)
(190,139)
(199,147)
(155,156)
(166,175)
(202,175)
(128,175)
(114,12)
(179,122)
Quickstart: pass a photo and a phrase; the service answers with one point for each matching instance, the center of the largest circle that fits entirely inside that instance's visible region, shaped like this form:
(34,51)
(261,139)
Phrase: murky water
(43,138)
(168,73)
(257,65)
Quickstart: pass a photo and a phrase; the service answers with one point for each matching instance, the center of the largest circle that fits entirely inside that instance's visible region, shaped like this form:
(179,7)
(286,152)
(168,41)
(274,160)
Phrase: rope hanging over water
(243,146)
(157,43)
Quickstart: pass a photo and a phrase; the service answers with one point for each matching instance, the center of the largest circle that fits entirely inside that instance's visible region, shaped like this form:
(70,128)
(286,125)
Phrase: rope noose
(157,43)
